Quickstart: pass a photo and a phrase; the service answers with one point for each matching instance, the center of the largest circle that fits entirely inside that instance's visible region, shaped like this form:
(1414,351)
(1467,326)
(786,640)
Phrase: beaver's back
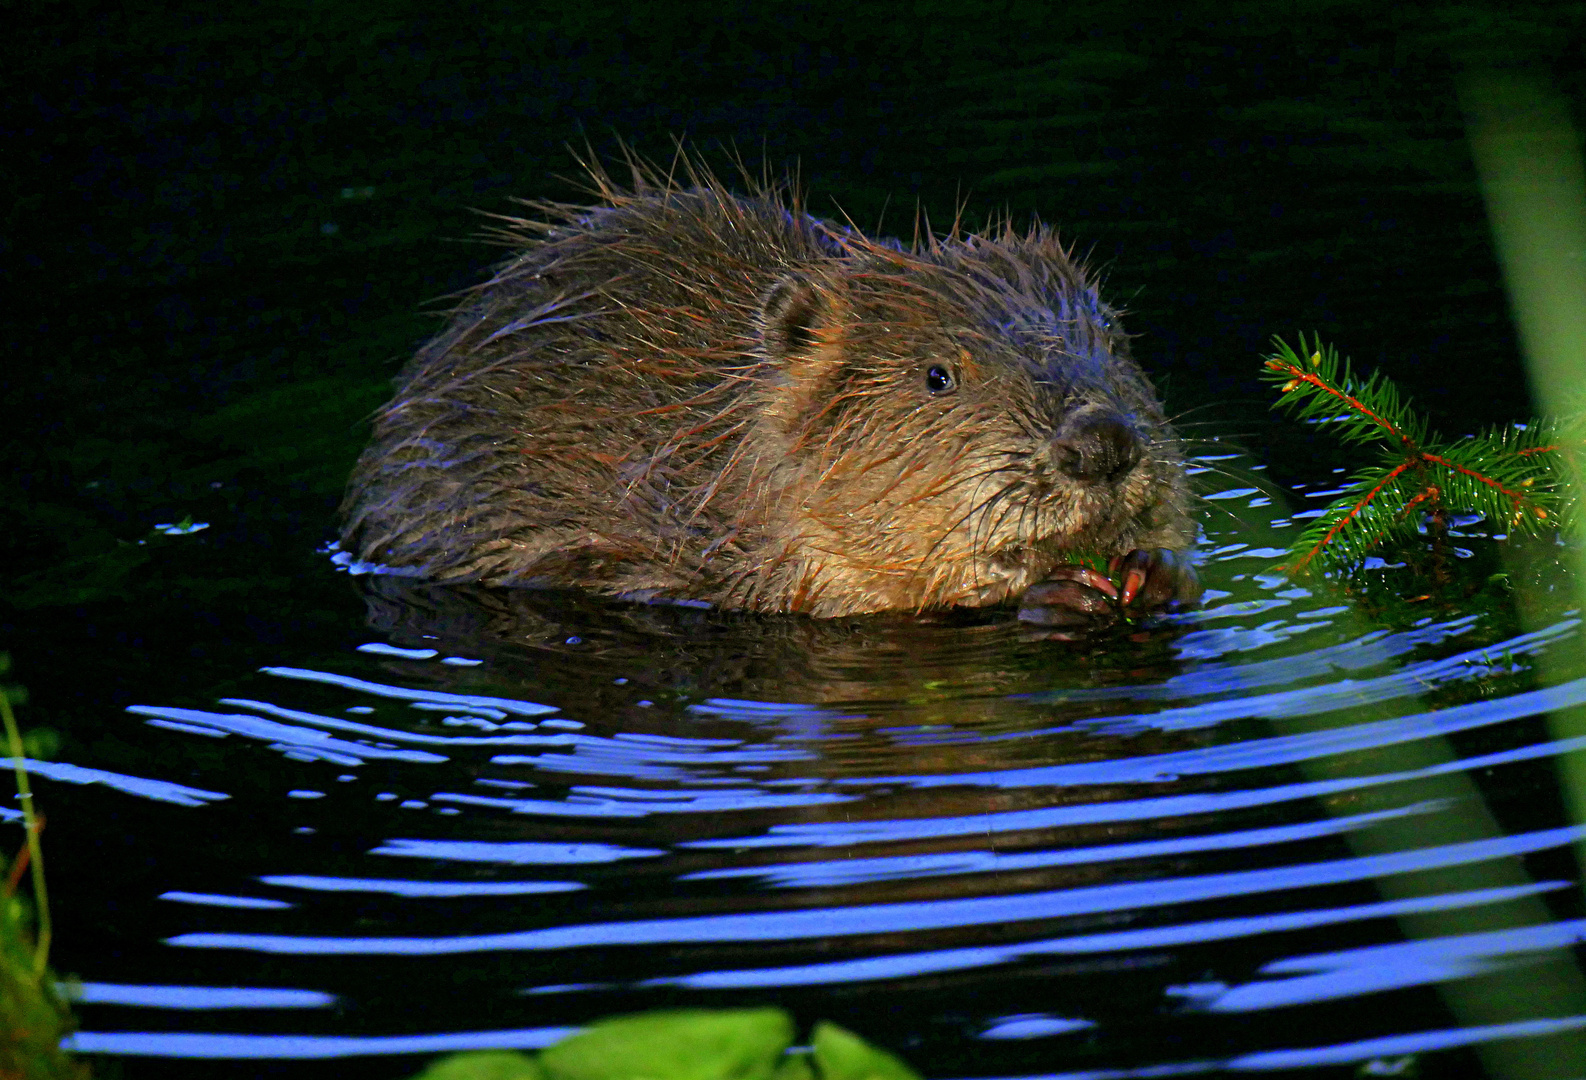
(571,423)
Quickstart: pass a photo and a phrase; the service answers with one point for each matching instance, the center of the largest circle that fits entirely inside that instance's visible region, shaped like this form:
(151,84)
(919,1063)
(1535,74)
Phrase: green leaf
(33,1018)
(689,1044)
(795,1066)
(842,1055)
(484,1065)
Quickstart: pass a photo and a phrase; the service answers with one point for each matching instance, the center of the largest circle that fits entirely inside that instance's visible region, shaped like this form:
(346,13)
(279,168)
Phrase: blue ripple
(644,803)
(197,1045)
(1367,651)
(420,888)
(905,917)
(844,834)
(215,900)
(1260,753)
(907,867)
(509,853)
(403,693)
(1420,1042)
(908,965)
(198,997)
(1352,972)
(160,790)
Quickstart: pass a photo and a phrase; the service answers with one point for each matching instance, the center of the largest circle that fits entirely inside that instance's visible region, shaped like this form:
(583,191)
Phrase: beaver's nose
(1096,444)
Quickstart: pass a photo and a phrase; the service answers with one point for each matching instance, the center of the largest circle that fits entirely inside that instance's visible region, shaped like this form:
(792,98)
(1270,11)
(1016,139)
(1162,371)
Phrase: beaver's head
(955,421)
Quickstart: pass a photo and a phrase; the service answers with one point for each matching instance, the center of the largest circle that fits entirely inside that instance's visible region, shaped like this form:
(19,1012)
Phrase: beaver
(690,394)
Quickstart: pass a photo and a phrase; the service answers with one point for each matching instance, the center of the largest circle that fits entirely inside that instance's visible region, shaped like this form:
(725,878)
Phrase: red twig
(1432,492)
(1517,496)
(1347,518)
(1301,375)
(19,865)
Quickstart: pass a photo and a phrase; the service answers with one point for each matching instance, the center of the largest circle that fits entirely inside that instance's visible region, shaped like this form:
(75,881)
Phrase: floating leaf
(795,1066)
(842,1055)
(484,1065)
(692,1044)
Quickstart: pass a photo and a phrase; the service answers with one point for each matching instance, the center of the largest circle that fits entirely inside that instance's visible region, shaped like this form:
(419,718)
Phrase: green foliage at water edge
(33,1018)
(686,1044)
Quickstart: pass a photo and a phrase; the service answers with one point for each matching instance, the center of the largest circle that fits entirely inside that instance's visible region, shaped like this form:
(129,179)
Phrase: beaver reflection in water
(686,393)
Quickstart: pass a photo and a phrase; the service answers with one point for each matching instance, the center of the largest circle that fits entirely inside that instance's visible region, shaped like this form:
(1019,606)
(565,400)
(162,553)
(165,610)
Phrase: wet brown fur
(690,393)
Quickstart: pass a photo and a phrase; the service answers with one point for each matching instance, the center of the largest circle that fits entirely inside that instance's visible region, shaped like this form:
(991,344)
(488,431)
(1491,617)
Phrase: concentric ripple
(998,855)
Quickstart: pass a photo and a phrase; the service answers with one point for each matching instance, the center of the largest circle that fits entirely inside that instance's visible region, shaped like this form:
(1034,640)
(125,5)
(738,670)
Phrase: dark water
(1265,836)
(304,823)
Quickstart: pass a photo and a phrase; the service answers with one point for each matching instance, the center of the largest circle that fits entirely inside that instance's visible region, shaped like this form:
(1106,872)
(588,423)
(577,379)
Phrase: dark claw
(1075,573)
(1157,579)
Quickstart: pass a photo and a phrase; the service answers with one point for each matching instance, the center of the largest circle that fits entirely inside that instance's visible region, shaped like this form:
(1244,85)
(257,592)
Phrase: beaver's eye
(938,380)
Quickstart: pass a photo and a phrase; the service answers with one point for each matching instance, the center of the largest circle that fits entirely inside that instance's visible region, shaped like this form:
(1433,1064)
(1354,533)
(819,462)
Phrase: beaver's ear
(793,314)
(801,321)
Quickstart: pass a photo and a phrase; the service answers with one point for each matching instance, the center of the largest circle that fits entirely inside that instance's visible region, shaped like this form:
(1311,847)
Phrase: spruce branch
(1513,475)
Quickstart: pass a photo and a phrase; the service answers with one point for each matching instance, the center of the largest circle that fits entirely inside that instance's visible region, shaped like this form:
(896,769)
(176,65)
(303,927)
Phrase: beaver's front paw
(1077,596)
(1073,596)
(1156,580)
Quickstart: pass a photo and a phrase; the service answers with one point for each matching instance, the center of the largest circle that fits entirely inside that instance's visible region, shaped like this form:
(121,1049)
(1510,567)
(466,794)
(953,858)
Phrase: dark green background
(228,226)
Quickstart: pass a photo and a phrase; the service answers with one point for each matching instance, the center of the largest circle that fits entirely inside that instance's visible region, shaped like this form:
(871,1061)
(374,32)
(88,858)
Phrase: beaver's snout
(1097,444)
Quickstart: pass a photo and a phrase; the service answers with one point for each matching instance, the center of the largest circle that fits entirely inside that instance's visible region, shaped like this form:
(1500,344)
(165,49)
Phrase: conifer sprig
(1510,475)
(1323,389)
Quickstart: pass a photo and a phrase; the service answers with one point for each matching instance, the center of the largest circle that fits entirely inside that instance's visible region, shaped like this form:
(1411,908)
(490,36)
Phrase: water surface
(1300,829)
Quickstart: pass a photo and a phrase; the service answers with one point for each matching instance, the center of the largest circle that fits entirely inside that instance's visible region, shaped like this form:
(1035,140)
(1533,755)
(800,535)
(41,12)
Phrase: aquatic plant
(1512,475)
(33,1018)
(686,1044)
